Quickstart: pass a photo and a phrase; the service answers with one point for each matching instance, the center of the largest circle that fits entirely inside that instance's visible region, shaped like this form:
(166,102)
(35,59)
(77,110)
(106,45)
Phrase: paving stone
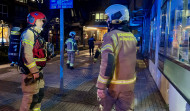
(79,92)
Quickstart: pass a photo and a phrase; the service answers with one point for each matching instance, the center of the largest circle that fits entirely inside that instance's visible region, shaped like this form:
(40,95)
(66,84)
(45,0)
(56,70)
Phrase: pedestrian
(32,59)
(91,44)
(71,47)
(117,77)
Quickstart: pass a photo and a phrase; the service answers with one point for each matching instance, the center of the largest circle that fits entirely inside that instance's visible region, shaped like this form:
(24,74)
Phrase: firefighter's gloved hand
(36,75)
(29,79)
(101,93)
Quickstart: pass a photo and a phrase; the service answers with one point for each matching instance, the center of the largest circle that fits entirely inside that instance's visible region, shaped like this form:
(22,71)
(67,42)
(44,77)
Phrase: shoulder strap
(35,36)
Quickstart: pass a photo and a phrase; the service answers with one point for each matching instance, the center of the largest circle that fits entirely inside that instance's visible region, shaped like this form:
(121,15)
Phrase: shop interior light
(187,27)
(91,28)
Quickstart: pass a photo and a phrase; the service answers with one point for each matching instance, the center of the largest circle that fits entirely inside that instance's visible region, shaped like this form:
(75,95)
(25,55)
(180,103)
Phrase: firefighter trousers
(32,95)
(123,101)
(71,58)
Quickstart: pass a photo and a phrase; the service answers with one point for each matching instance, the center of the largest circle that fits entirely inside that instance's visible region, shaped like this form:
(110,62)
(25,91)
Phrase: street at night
(94,55)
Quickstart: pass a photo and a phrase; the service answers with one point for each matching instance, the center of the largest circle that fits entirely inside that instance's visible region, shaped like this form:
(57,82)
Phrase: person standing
(71,47)
(32,59)
(91,45)
(117,77)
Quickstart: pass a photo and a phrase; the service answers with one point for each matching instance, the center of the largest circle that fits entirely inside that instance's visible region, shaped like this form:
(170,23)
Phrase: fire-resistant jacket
(27,43)
(71,45)
(118,61)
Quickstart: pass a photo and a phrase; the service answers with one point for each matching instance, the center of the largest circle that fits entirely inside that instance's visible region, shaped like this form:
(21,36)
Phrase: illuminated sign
(58,4)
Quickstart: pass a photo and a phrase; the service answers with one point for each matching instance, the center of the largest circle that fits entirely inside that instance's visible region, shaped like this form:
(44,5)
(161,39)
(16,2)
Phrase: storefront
(4,31)
(170,51)
(97,32)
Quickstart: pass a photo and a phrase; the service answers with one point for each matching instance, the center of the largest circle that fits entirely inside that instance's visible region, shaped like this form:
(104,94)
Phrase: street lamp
(2,33)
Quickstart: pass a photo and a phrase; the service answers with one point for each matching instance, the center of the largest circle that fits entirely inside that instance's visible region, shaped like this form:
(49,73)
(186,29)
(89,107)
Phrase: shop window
(178,41)
(23,1)
(153,40)
(162,50)
(99,17)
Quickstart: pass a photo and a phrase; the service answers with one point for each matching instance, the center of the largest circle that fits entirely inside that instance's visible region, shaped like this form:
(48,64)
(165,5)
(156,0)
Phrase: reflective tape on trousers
(130,81)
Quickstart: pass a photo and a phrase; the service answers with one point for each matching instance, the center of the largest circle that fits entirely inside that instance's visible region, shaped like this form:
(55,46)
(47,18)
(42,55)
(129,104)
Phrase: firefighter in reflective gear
(117,78)
(32,55)
(71,47)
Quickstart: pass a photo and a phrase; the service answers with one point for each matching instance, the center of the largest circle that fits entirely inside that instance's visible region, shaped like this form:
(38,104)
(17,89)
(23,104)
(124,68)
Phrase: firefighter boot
(68,66)
(71,67)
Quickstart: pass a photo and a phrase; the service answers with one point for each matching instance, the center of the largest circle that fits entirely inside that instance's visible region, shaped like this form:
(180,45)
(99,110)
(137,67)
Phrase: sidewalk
(79,88)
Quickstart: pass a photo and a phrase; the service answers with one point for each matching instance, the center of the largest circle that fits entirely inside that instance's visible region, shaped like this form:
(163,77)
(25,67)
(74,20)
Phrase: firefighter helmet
(72,33)
(33,16)
(117,13)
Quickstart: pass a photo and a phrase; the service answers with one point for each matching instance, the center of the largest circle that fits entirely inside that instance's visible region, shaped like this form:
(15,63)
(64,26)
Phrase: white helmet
(72,33)
(117,13)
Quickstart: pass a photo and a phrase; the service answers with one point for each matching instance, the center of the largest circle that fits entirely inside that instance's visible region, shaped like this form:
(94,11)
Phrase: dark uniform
(91,45)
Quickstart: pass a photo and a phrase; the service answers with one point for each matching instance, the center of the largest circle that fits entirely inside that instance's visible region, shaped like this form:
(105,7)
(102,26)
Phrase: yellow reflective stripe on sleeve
(40,59)
(15,33)
(114,40)
(36,109)
(130,81)
(31,65)
(102,80)
(28,42)
(107,46)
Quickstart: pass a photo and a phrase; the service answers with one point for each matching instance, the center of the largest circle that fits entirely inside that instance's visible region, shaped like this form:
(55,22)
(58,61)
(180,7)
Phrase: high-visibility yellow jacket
(118,61)
(71,45)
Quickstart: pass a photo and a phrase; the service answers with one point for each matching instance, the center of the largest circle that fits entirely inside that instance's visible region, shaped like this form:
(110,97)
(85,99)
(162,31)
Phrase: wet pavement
(79,92)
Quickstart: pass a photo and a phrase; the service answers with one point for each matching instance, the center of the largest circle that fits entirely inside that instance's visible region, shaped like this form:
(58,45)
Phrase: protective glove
(31,78)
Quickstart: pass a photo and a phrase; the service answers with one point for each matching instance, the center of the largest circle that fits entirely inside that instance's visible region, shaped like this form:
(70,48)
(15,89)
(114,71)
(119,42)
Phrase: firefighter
(97,53)
(71,47)
(32,60)
(117,77)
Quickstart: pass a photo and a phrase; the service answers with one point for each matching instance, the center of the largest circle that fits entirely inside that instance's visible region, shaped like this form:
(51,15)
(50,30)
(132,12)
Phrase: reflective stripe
(36,109)
(128,39)
(72,43)
(15,33)
(130,81)
(40,59)
(31,65)
(28,42)
(68,61)
(13,54)
(70,50)
(102,80)
(107,46)
(124,34)
(114,40)
(71,64)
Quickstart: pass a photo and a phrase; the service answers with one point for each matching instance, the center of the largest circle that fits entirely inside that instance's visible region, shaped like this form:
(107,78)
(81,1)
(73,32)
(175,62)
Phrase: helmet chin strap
(41,28)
